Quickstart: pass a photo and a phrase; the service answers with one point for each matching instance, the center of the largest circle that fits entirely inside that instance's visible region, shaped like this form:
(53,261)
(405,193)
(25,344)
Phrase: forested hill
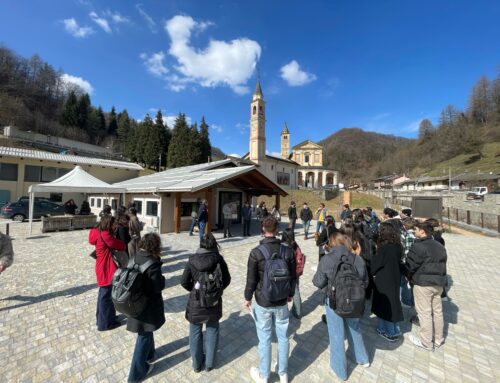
(355,152)
(464,139)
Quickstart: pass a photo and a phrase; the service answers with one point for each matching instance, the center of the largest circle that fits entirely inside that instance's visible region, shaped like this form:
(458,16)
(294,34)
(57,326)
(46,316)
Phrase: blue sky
(379,65)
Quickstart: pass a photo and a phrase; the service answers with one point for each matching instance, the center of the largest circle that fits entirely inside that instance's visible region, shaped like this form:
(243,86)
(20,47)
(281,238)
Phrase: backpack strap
(264,251)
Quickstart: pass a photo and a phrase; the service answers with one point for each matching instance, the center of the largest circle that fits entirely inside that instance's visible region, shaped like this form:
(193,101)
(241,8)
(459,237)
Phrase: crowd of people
(395,262)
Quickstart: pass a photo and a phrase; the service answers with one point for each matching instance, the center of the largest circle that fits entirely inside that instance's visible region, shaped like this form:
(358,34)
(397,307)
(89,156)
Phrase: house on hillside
(388,182)
(465,181)
(165,200)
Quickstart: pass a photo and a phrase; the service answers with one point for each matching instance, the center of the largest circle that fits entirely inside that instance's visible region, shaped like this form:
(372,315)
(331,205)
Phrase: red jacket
(104,265)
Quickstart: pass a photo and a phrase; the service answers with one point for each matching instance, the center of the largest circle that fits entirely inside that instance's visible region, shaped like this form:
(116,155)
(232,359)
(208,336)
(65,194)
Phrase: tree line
(34,97)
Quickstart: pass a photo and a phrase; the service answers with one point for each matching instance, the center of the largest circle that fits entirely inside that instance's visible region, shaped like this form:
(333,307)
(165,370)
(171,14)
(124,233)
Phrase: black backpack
(346,292)
(276,283)
(127,292)
(211,287)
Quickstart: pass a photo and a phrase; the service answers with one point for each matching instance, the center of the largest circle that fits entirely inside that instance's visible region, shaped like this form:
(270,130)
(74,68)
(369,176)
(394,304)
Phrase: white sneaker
(417,342)
(366,365)
(284,378)
(255,374)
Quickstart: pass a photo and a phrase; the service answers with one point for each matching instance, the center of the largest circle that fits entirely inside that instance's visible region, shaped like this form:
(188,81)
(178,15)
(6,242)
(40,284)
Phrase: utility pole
(449,179)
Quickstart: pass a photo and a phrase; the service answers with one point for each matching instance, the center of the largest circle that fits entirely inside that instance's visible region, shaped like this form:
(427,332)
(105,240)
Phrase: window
(272,167)
(114,204)
(32,173)
(99,201)
(56,197)
(152,208)
(254,110)
(306,158)
(283,178)
(51,174)
(92,202)
(8,172)
(260,110)
(187,208)
(138,206)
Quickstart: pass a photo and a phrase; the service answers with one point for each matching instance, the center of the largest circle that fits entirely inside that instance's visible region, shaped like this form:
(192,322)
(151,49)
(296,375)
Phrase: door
(4,197)
(235,198)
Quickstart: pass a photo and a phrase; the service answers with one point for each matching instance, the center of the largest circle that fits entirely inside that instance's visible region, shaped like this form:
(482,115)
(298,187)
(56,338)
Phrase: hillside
(354,152)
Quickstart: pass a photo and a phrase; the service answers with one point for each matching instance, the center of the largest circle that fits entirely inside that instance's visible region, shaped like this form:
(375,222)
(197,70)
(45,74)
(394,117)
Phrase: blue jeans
(144,351)
(201,226)
(265,317)
(306,228)
(105,312)
(196,344)
(406,295)
(388,328)
(338,329)
(319,226)
(193,224)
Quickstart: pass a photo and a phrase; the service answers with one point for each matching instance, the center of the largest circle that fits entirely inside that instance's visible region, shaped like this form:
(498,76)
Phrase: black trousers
(227,227)
(105,313)
(246,227)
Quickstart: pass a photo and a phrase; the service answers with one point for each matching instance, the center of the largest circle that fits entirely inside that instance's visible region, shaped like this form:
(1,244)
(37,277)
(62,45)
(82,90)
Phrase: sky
(324,65)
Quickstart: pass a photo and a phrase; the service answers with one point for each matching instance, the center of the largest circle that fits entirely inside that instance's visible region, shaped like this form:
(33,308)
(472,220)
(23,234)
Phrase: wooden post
(177,213)
(277,202)
(468,217)
(498,219)
(456,211)
(211,208)
(347,198)
(482,220)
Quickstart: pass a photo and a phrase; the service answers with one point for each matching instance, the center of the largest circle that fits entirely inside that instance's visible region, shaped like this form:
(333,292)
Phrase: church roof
(246,156)
(285,130)
(306,142)
(258,90)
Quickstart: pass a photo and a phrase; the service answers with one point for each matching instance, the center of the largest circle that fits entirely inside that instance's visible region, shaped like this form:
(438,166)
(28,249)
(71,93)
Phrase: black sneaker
(414,320)
(323,318)
(387,337)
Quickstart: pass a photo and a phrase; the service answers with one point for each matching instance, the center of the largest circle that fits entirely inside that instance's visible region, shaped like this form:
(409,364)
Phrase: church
(303,167)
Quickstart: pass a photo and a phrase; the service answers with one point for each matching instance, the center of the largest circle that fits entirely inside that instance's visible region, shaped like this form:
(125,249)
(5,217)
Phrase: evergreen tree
(83,110)
(194,156)
(163,135)
(205,145)
(152,144)
(131,142)
(179,150)
(101,125)
(123,129)
(69,115)
(113,125)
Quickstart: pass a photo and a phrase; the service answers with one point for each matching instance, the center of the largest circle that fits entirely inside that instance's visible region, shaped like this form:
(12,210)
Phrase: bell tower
(257,125)
(285,142)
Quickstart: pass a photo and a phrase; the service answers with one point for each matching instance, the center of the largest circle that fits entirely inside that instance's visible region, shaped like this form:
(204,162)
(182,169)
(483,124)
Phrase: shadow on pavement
(163,364)
(29,300)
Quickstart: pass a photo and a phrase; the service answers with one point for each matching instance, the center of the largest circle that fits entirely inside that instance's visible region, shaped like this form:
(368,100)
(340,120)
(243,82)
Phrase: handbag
(93,254)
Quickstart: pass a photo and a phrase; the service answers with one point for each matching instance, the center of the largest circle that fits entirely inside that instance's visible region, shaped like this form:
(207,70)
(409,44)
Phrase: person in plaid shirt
(407,239)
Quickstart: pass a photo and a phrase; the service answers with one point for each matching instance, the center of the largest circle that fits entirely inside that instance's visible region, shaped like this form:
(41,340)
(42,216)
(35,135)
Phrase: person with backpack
(194,218)
(6,252)
(322,238)
(288,238)
(205,276)
(343,278)
(292,215)
(407,239)
(271,278)
(122,222)
(102,237)
(152,317)
(306,216)
(202,218)
(134,228)
(385,269)
(426,267)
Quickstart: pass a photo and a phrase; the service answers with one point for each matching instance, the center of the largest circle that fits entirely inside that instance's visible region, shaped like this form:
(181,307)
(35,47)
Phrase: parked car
(19,211)
(477,192)
(330,187)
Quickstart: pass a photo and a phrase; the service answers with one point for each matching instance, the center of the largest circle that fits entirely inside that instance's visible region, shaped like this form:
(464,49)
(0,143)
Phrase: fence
(483,220)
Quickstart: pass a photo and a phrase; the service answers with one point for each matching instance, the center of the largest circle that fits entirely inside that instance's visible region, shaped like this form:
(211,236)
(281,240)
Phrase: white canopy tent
(76,181)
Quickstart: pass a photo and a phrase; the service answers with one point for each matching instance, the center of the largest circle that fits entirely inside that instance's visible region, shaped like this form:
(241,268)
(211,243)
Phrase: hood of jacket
(339,251)
(204,260)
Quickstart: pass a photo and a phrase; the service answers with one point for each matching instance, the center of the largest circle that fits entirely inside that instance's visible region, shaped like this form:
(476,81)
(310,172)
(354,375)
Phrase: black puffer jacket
(153,316)
(255,273)
(203,260)
(426,262)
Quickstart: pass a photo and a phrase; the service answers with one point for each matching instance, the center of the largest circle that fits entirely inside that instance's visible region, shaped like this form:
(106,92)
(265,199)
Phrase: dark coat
(153,317)
(255,273)
(123,234)
(203,213)
(203,260)
(292,212)
(426,262)
(387,276)
(246,213)
(327,268)
(323,238)
(306,214)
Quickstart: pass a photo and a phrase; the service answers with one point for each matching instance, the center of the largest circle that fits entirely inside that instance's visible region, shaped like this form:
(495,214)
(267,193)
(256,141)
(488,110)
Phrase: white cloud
(155,63)
(235,155)
(243,128)
(274,154)
(220,63)
(216,128)
(116,17)
(68,79)
(294,76)
(75,30)
(149,20)
(170,120)
(101,21)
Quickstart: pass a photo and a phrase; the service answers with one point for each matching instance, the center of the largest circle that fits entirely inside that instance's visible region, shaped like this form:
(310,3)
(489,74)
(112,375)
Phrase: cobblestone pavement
(48,334)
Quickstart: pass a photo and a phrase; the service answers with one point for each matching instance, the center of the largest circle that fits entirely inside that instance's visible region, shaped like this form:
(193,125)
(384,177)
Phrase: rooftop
(67,158)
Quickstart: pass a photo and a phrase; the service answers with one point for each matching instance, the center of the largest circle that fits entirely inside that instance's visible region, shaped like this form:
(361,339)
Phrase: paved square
(48,334)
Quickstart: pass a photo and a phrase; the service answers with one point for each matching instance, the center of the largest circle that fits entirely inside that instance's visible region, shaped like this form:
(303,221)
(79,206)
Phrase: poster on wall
(283,178)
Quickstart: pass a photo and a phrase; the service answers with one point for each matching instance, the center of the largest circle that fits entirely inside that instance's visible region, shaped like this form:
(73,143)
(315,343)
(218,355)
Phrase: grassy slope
(313,199)
(489,163)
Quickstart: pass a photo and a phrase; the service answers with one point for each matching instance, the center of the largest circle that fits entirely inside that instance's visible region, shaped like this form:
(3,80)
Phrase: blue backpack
(276,284)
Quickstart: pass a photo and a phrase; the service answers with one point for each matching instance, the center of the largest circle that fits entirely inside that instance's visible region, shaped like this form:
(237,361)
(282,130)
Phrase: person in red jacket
(104,241)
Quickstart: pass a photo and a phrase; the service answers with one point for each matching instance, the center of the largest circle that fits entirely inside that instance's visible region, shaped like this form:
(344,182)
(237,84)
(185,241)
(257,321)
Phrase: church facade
(303,167)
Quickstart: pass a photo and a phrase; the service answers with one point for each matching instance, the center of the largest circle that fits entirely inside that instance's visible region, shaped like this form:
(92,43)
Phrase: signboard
(427,207)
